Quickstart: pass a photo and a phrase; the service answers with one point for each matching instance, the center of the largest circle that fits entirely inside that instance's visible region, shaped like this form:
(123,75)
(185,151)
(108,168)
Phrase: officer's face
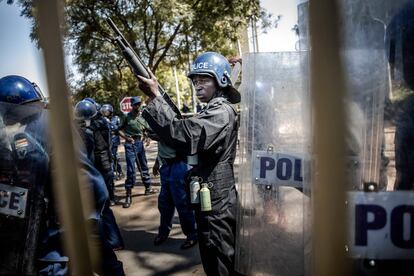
(205,87)
(106,113)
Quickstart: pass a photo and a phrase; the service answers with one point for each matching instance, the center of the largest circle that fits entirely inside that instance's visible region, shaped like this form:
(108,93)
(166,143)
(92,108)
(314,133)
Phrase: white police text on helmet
(200,65)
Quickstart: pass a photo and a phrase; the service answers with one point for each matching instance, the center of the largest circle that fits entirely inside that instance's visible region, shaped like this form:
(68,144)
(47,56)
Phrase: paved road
(139,226)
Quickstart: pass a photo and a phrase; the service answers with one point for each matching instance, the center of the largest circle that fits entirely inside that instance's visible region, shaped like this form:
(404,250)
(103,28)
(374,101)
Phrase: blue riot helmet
(19,90)
(85,110)
(106,110)
(217,66)
(90,100)
(98,106)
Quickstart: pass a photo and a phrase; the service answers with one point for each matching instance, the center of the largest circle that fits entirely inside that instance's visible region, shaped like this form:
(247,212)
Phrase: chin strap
(219,93)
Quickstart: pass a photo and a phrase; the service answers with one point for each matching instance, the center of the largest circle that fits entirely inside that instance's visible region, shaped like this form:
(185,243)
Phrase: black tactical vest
(216,165)
(23,180)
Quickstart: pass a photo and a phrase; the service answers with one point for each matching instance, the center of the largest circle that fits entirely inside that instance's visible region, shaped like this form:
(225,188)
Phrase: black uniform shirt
(212,132)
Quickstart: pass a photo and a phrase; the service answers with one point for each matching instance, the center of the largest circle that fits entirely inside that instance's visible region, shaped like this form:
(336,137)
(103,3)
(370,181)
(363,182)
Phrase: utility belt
(221,179)
(169,161)
(212,190)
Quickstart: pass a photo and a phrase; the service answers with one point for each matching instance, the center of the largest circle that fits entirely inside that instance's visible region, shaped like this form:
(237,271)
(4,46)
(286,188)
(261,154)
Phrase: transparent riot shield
(380,237)
(380,229)
(274,150)
(24,168)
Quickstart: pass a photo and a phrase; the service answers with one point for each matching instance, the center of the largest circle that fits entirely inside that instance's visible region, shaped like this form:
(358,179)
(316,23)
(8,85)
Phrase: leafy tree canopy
(164,34)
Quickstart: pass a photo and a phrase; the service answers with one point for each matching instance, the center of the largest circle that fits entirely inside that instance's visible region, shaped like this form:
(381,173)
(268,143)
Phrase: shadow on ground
(165,259)
(139,227)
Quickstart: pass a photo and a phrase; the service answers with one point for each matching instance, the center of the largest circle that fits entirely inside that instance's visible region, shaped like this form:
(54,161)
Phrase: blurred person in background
(114,122)
(132,130)
(86,114)
(173,195)
(26,185)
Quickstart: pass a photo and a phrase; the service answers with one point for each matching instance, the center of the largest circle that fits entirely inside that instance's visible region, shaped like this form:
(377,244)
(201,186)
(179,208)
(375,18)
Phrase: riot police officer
(27,208)
(24,178)
(212,136)
(91,129)
(102,148)
(84,112)
(114,122)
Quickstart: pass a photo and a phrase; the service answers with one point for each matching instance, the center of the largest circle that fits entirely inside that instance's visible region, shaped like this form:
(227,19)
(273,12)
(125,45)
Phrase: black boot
(128,199)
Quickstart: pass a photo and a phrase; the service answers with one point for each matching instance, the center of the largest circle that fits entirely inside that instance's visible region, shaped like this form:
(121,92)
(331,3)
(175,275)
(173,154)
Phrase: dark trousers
(116,165)
(216,235)
(134,151)
(104,165)
(173,195)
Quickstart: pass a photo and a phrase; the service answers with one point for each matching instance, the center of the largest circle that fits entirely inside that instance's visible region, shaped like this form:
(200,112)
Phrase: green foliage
(164,34)
(166,77)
